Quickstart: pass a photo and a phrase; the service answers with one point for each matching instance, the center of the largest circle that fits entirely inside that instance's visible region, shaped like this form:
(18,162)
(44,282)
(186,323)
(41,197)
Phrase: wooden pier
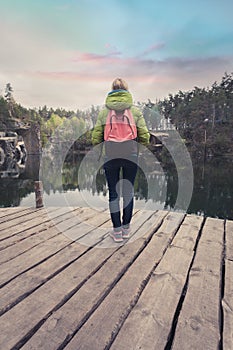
(66,285)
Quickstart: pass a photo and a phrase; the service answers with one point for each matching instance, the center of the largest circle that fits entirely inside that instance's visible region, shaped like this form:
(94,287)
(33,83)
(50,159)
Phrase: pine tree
(9,98)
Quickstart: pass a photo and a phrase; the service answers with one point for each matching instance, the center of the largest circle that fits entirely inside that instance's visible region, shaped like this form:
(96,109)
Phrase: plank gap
(222,289)
(183,294)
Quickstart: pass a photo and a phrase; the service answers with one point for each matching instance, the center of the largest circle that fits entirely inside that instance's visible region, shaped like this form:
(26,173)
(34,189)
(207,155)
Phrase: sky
(65,54)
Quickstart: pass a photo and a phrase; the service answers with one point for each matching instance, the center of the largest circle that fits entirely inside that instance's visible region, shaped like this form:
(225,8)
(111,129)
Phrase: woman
(119,101)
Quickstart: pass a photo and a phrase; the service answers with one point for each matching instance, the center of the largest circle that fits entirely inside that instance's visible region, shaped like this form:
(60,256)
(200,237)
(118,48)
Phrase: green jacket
(120,100)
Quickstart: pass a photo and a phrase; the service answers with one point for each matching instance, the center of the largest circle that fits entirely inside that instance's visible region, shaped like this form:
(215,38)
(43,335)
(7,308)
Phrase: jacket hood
(119,100)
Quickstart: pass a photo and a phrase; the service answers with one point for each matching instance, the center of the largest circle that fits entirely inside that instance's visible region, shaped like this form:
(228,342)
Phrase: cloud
(152,49)
(43,73)
(147,78)
(87,63)
(86,56)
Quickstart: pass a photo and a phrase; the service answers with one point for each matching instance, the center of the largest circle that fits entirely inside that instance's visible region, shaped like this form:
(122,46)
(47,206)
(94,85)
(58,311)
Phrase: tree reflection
(212,195)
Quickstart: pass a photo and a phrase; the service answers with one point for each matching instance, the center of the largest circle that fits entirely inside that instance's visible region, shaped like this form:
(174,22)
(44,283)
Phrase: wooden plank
(31,279)
(26,260)
(149,323)
(60,217)
(33,227)
(229,240)
(63,321)
(34,256)
(96,291)
(35,218)
(8,210)
(25,283)
(6,213)
(85,226)
(199,321)
(34,237)
(14,235)
(28,218)
(20,320)
(227,305)
(101,327)
(22,222)
(23,246)
(15,216)
(227,302)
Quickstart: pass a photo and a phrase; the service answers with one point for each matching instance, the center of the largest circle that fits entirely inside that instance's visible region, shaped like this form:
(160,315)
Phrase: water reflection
(85,177)
(212,195)
(213,191)
(18,184)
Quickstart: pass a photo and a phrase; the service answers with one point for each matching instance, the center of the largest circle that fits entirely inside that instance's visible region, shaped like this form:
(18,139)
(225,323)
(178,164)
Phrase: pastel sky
(65,53)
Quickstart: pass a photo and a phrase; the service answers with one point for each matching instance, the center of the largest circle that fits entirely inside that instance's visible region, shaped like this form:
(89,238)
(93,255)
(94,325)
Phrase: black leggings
(112,171)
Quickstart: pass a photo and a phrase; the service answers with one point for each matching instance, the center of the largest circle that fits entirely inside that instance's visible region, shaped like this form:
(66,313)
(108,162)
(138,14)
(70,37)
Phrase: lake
(155,188)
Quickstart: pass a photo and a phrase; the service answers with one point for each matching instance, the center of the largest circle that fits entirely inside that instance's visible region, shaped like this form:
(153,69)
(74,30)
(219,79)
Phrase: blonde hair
(118,84)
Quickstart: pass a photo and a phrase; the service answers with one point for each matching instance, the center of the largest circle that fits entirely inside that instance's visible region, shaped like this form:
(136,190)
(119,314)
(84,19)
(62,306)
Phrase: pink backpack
(120,127)
(120,134)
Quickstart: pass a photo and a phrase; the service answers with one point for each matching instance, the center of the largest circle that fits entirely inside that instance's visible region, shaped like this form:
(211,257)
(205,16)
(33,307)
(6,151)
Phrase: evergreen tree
(8,93)
(9,98)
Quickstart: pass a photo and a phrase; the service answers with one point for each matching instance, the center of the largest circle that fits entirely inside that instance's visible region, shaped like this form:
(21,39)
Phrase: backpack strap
(127,118)
(113,114)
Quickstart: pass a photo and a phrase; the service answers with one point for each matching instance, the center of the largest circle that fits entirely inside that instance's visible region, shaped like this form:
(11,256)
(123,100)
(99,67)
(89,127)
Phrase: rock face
(12,154)
(16,147)
(32,139)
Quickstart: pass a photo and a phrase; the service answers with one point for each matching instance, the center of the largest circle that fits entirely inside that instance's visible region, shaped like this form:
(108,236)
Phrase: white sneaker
(116,236)
(126,232)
